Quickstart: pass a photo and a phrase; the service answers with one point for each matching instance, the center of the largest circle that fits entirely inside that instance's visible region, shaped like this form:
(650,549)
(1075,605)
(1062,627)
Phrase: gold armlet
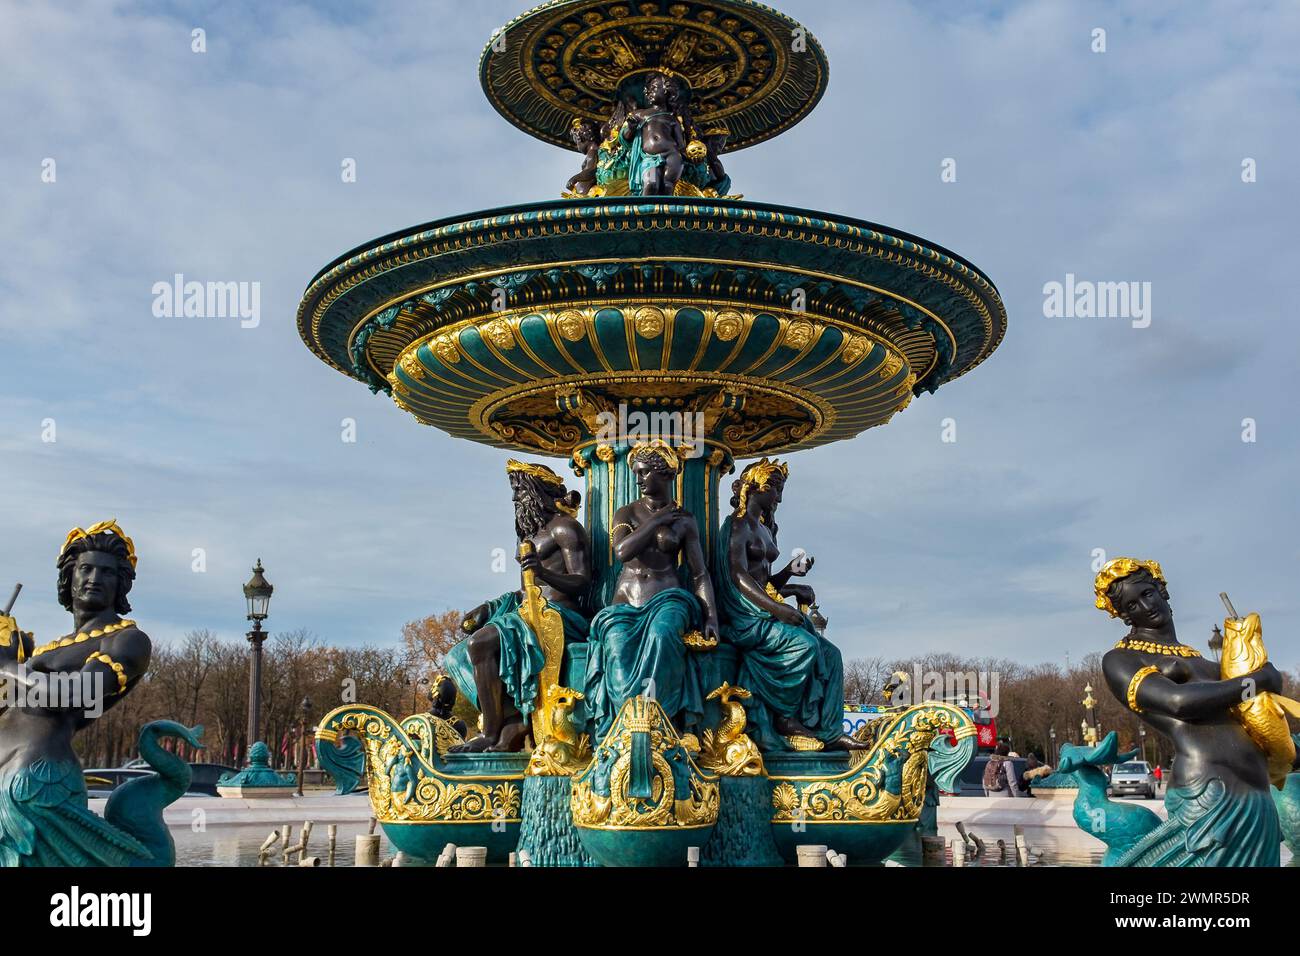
(1135,683)
(614,530)
(773,593)
(117,668)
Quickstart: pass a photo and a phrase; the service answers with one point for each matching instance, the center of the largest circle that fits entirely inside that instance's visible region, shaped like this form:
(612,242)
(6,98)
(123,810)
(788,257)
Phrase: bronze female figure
(637,645)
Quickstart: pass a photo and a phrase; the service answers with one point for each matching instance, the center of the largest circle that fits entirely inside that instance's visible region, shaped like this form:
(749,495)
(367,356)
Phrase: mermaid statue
(638,642)
(499,664)
(795,675)
(54,690)
(1220,811)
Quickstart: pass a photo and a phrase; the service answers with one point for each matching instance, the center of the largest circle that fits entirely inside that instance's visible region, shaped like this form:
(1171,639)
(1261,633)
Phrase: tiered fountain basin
(480,325)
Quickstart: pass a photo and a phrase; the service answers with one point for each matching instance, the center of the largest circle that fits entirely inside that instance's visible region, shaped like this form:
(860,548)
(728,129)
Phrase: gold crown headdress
(660,448)
(757,476)
(537,471)
(545,475)
(110,527)
(1117,570)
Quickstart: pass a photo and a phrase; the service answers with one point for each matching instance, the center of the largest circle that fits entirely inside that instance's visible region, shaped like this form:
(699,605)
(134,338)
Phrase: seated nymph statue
(637,642)
(498,665)
(795,675)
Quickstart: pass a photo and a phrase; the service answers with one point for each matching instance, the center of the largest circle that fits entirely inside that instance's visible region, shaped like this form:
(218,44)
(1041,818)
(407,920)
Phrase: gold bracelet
(1135,683)
(117,668)
(622,524)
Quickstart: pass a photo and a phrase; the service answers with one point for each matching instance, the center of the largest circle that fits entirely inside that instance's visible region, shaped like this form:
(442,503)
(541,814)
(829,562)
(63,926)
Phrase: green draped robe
(521,653)
(639,651)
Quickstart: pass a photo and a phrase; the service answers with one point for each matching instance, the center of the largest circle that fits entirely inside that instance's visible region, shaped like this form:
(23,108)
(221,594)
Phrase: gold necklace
(1155,647)
(82,637)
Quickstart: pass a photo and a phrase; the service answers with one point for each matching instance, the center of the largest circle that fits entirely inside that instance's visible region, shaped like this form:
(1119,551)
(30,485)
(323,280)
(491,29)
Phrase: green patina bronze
(652,305)
(45,819)
(258,773)
(1288,807)
(422,796)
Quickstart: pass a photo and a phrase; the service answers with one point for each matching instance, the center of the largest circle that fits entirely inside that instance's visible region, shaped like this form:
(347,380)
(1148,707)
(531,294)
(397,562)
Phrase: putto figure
(707,173)
(795,674)
(1220,811)
(657,137)
(69,682)
(637,642)
(497,667)
(586,138)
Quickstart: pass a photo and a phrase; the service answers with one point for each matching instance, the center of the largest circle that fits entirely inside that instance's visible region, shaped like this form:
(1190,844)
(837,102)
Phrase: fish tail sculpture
(1263,715)
(344,759)
(1118,825)
(356,737)
(1288,806)
(137,805)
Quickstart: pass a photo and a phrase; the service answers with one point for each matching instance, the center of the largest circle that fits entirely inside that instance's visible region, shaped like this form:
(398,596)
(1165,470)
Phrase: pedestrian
(1000,778)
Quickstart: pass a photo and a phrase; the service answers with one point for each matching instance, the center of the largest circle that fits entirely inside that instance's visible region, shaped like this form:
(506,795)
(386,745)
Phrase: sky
(1078,437)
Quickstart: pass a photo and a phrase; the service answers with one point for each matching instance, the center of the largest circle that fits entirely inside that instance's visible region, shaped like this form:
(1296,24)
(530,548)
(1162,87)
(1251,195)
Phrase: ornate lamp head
(257,592)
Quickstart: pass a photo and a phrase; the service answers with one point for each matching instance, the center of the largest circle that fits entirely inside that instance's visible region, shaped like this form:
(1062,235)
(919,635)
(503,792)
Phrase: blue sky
(1077,434)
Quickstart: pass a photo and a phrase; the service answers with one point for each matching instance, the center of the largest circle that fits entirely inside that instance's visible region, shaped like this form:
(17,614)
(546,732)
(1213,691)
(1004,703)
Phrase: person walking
(1000,778)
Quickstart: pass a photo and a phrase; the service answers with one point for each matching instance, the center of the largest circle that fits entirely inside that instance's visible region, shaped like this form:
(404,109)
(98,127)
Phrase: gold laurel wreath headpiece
(537,471)
(110,527)
(544,474)
(660,448)
(1117,570)
(757,476)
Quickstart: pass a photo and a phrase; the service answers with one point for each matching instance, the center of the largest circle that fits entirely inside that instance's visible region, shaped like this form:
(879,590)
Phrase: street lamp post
(1216,642)
(303,723)
(257,592)
(1142,735)
(415,694)
(1055,757)
(1090,721)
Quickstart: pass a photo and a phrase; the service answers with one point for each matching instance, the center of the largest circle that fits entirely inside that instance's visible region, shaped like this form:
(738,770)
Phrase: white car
(1133,777)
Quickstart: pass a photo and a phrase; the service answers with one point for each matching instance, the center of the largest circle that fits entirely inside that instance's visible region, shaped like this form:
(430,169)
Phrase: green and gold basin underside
(813,328)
